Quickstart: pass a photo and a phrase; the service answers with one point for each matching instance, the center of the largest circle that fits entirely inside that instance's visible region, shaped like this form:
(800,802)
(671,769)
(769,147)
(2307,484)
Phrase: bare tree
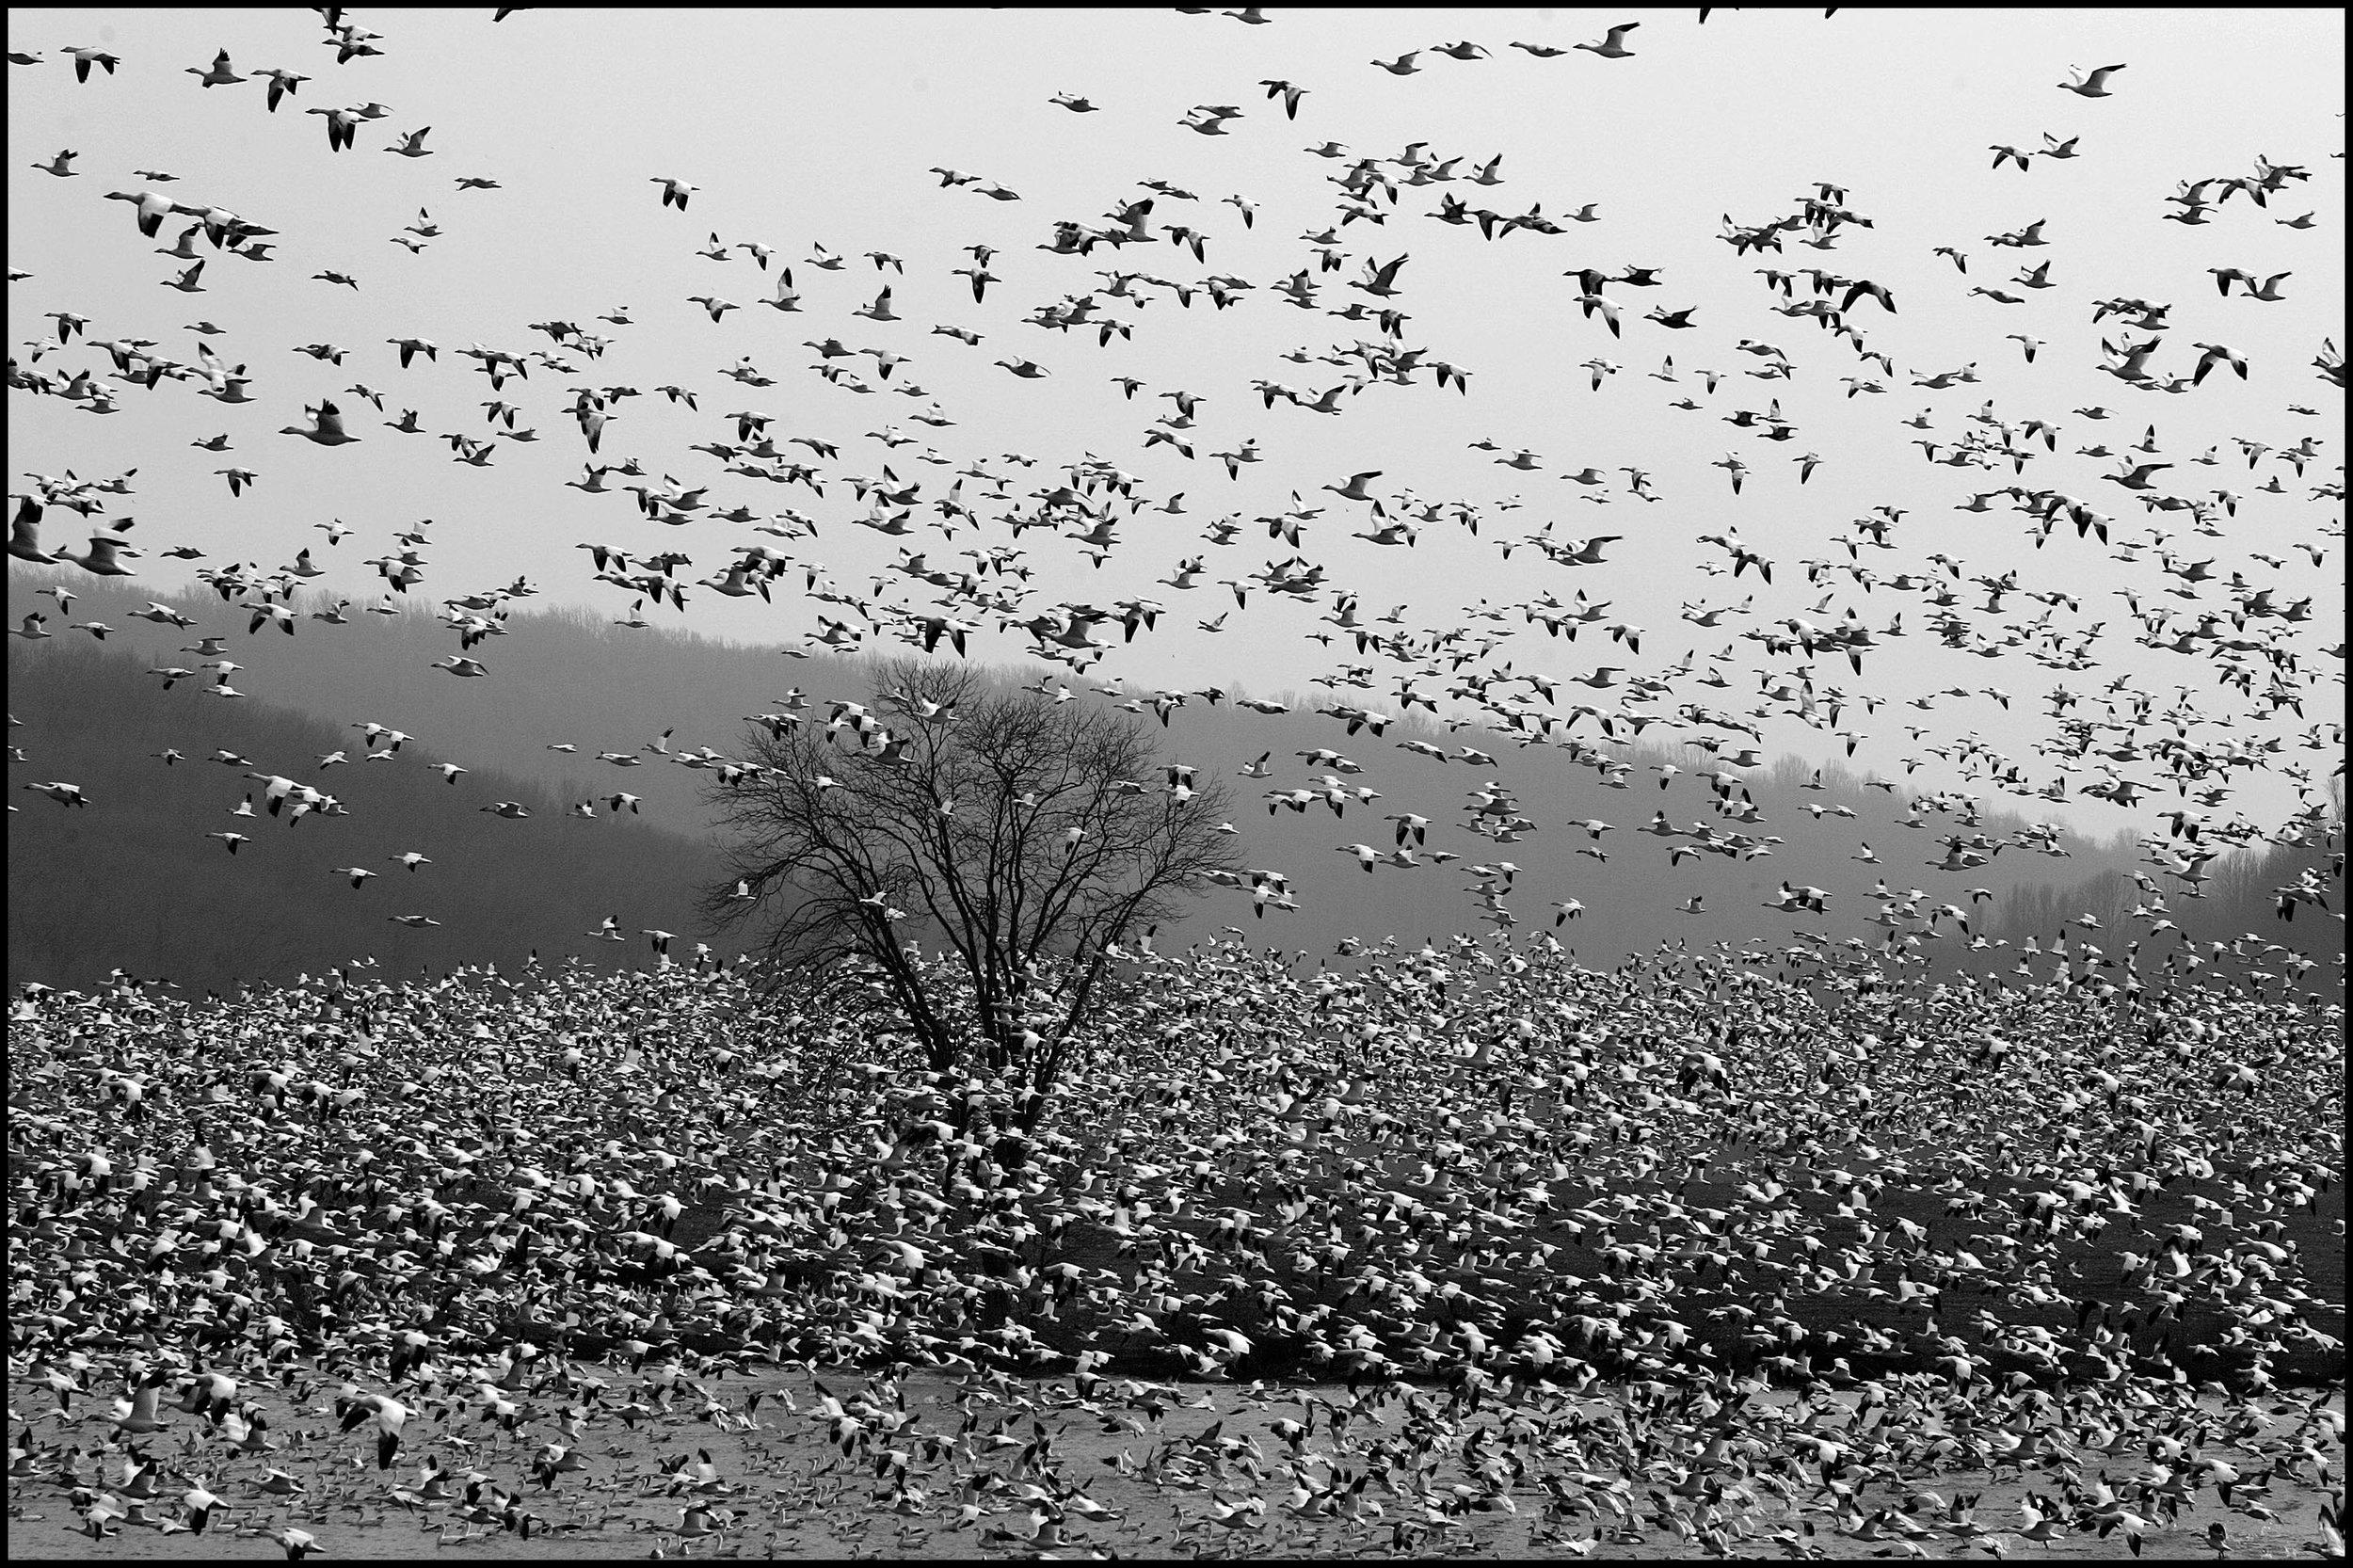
(1032,835)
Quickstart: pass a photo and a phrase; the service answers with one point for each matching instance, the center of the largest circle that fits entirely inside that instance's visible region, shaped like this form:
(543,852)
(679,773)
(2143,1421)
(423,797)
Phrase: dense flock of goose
(1715,1251)
(1554,1248)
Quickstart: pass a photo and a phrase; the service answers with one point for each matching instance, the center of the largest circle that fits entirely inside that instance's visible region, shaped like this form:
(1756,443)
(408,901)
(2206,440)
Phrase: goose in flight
(342,127)
(25,535)
(101,558)
(85,58)
(219,74)
(1379,281)
(386,1414)
(2093,86)
(325,429)
(151,211)
(283,85)
(1408,822)
(1611,46)
(2215,354)
(138,1415)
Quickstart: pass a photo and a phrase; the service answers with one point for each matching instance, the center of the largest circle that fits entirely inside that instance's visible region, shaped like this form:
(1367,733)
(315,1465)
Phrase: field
(1608,1264)
(786,1490)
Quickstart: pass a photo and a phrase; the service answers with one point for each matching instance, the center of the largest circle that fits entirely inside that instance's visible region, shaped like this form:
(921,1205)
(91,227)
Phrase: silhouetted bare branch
(1028,837)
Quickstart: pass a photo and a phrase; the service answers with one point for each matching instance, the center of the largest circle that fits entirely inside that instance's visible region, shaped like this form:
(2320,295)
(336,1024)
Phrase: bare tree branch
(1024,834)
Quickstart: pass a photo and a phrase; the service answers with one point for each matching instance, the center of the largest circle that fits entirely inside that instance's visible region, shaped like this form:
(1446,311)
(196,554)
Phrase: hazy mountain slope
(2235,926)
(1631,901)
(132,880)
(573,679)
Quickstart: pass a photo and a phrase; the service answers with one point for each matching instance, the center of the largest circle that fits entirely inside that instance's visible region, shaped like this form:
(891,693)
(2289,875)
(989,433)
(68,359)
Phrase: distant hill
(131,880)
(2233,923)
(570,678)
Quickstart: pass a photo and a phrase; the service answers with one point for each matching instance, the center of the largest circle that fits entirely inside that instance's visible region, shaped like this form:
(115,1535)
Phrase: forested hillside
(2233,917)
(132,878)
(571,679)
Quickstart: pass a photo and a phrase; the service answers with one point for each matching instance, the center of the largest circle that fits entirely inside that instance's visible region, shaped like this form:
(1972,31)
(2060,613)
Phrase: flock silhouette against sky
(1686,512)
(1953,397)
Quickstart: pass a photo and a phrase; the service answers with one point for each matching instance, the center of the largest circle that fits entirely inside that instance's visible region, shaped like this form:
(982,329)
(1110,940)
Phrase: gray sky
(809,128)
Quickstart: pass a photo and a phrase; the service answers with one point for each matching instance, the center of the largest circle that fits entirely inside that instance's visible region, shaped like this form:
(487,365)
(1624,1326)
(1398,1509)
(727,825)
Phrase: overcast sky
(805,129)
